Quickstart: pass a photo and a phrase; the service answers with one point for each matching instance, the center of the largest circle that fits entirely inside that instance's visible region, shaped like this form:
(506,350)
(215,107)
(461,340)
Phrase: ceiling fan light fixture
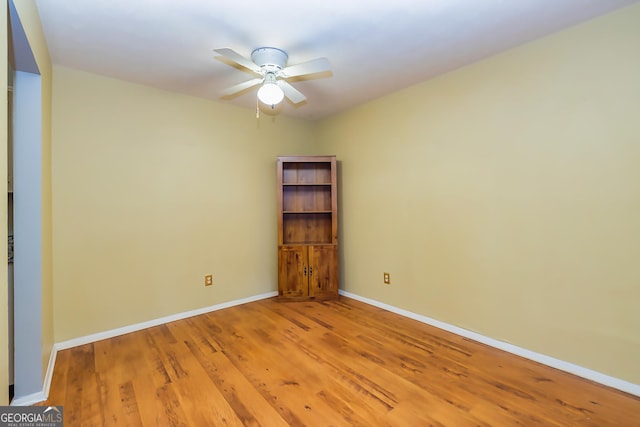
(270,93)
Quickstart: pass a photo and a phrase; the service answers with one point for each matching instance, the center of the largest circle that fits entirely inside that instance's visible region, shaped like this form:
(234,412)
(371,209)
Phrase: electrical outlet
(208,280)
(386,278)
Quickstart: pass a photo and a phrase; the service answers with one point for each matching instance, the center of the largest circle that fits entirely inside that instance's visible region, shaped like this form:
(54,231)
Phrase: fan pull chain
(257,108)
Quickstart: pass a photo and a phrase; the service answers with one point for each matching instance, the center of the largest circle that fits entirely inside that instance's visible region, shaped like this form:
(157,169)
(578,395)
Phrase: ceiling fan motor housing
(270,58)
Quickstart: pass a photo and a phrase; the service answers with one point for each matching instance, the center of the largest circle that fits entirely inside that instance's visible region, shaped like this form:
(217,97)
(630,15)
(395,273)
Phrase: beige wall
(504,197)
(30,19)
(4,328)
(153,190)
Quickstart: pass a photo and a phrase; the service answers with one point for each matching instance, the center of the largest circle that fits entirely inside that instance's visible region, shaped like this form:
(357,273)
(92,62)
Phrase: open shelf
(306,173)
(306,228)
(306,198)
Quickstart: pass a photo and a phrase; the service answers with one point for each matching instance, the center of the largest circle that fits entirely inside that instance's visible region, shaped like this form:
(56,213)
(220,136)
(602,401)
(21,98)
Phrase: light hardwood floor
(333,363)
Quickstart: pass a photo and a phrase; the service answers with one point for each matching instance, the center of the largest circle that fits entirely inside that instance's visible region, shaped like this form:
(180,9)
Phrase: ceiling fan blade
(311,67)
(238,59)
(242,86)
(291,92)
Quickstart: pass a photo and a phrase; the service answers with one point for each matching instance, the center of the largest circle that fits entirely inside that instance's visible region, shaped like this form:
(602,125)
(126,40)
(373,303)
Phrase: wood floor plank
(366,374)
(201,401)
(339,362)
(79,386)
(497,382)
(375,357)
(127,413)
(280,371)
(250,407)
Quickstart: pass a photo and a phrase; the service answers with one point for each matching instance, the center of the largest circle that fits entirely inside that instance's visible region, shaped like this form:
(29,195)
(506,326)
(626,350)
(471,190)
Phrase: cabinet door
(323,276)
(292,271)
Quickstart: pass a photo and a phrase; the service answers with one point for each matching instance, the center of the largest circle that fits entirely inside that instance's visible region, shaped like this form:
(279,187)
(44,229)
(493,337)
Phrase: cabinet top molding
(306,158)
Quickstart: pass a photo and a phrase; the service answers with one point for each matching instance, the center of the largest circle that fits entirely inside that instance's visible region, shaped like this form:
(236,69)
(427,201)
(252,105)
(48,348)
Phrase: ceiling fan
(270,64)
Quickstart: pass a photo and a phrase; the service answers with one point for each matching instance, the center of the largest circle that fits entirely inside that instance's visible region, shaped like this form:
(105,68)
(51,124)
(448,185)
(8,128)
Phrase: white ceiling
(375,47)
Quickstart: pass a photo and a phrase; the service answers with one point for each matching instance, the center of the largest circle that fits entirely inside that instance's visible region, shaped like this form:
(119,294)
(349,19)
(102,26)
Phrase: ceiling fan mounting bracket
(270,58)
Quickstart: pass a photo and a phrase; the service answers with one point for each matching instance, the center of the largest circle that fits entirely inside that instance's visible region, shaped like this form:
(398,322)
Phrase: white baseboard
(580,371)
(39,396)
(29,399)
(44,394)
(161,321)
(49,374)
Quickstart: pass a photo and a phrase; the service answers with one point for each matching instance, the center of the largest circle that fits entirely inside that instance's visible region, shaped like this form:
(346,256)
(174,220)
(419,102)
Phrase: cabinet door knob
(305,271)
(310,271)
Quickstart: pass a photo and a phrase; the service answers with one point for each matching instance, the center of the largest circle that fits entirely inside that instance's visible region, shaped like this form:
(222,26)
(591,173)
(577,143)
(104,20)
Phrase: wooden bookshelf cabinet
(307,227)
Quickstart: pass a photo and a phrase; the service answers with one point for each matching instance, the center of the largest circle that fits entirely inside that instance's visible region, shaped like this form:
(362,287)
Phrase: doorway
(25,113)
